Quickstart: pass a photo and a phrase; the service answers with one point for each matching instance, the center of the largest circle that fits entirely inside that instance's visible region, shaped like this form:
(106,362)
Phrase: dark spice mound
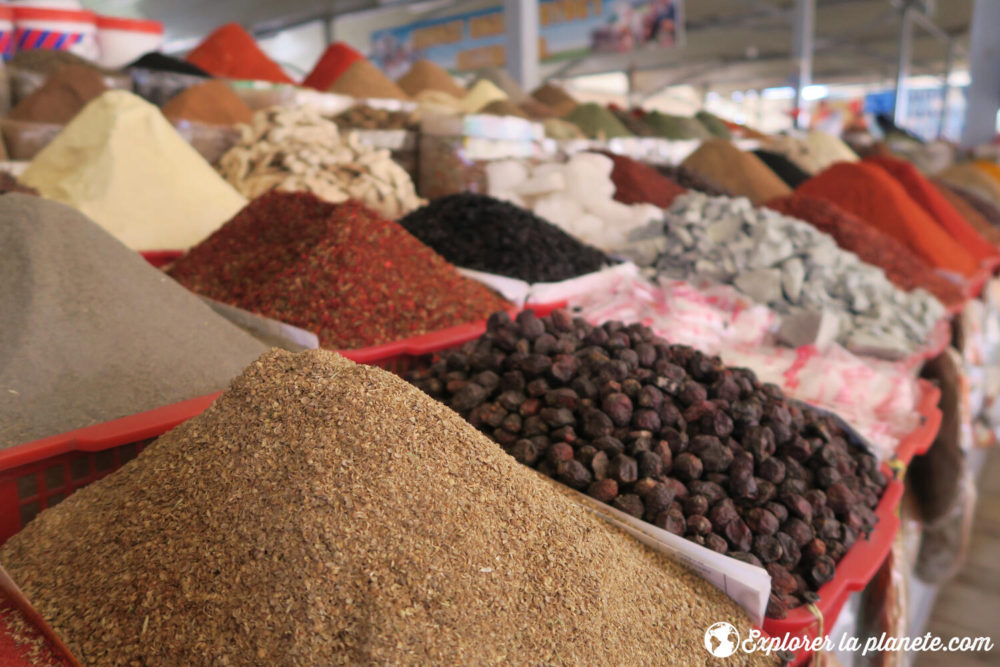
(672,436)
(902,266)
(638,183)
(482,233)
(792,174)
(159,62)
(690,180)
(340,271)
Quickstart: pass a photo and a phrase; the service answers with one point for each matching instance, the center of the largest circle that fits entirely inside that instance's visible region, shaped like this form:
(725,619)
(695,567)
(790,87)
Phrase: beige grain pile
(742,173)
(323,513)
(365,80)
(425,75)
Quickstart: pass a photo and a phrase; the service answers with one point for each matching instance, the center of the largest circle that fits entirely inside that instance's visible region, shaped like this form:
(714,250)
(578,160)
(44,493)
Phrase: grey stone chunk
(809,327)
(761,285)
(794,273)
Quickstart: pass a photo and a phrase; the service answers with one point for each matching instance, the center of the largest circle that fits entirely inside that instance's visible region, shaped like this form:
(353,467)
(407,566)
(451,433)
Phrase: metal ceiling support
(949,64)
(984,69)
(805,31)
(903,65)
(521,19)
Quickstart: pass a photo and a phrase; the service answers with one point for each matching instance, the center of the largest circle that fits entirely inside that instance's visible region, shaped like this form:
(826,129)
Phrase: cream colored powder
(828,149)
(123,165)
(480,95)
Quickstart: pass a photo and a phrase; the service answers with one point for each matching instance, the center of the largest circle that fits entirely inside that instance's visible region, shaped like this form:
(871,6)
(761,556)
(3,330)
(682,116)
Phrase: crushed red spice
(338,270)
(902,266)
(638,183)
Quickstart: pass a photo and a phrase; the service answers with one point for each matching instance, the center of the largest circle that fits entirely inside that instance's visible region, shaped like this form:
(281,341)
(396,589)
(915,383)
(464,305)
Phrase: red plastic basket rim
(131,25)
(99,437)
(920,439)
(53,14)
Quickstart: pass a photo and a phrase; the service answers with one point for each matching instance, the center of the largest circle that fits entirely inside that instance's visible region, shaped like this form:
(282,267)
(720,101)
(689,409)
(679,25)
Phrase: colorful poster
(568,30)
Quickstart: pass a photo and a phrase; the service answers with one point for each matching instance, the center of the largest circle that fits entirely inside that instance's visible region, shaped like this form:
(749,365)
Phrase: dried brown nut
(512,422)
(604,490)
(814,549)
(630,504)
(716,457)
(504,438)
(544,344)
(790,552)
(534,425)
(585,454)
(697,524)
(722,513)
(759,441)
(468,397)
(600,465)
(524,451)
(650,464)
(558,452)
(767,548)
(738,534)
(827,476)
(584,387)
(530,407)
(671,521)
(761,521)
(716,543)
(782,580)
(687,467)
(537,388)
(511,400)
(596,424)
(798,507)
(826,529)
(564,397)
(695,504)
(649,397)
(779,511)
(816,498)
(776,607)
(644,486)
(529,325)
(488,380)
(746,557)
(799,531)
(624,469)
(646,419)
(840,498)
(618,407)
(821,571)
(564,434)
(765,491)
(564,368)
(771,469)
(658,499)
(710,490)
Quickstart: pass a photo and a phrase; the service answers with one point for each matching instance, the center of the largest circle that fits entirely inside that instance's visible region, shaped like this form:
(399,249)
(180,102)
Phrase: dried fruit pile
(327,513)
(338,270)
(672,436)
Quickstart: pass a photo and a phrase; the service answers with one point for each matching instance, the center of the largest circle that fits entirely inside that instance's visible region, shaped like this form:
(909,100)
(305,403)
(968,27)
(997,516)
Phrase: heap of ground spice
(50,61)
(335,60)
(971,215)
(691,180)
(503,108)
(425,75)
(969,177)
(553,96)
(502,79)
(902,266)
(597,122)
(927,196)
(61,97)
(633,122)
(159,62)
(714,124)
(212,102)
(323,513)
(991,169)
(742,173)
(792,174)
(873,195)
(339,270)
(231,52)
(670,126)
(363,79)
(982,205)
(638,183)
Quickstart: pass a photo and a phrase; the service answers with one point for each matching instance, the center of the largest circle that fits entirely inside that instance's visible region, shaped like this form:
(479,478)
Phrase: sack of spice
(341,516)
(299,150)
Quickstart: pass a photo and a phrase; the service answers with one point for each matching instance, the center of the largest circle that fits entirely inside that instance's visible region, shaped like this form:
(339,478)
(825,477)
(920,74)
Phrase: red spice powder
(877,198)
(638,183)
(338,270)
(231,52)
(334,62)
(930,199)
(902,266)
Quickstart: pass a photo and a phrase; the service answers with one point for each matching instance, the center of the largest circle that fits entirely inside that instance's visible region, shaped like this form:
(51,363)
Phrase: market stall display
(739,172)
(211,102)
(336,58)
(231,52)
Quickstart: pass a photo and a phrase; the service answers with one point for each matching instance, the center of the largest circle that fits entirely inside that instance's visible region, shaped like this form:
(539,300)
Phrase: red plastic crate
(160,258)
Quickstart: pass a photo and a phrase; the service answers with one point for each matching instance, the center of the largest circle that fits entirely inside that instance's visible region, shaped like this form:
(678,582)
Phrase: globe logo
(721,640)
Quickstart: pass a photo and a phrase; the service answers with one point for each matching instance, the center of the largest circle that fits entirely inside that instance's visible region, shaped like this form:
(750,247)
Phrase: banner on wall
(568,29)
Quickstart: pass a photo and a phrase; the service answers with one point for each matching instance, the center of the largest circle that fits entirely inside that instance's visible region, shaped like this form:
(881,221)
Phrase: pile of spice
(792,174)
(578,196)
(231,52)
(742,173)
(335,60)
(338,270)
(479,232)
(502,79)
(675,127)
(982,205)
(991,169)
(299,150)
(718,127)
(796,150)
(923,192)
(672,436)
(61,97)
(633,122)
(91,332)
(480,95)
(823,292)
(364,117)
(120,162)
(160,62)
(597,122)
(562,130)
(365,80)
(826,149)
(49,61)
(536,110)
(425,75)
(691,180)
(555,98)
(362,548)
(970,213)
(638,183)
(968,177)
(503,108)
(902,266)
(211,102)
(877,198)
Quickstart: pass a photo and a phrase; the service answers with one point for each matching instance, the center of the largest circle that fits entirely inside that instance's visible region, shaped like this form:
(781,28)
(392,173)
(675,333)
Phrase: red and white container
(122,40)
(56,29)
(6,32)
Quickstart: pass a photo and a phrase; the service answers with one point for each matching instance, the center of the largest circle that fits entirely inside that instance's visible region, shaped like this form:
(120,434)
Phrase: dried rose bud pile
(672,436)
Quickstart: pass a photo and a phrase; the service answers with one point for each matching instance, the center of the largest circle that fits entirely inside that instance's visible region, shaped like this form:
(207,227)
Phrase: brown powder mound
(970,214)
(503,108)
(425,75)
(363,79)
(536,110)
(61,96)
(325,513)
(552,95)
(744,174)
(212,102)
